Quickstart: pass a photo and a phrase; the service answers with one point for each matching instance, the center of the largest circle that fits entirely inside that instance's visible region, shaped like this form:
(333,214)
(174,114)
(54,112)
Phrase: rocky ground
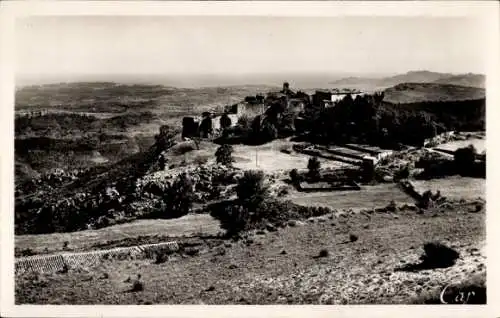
(339,258)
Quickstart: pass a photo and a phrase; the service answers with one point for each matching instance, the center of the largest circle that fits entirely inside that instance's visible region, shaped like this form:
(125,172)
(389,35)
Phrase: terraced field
(188,225)
(367,198)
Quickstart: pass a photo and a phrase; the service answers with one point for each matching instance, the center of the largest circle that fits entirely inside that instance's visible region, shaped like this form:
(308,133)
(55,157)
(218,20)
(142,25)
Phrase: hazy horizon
(225,50)
(309,80)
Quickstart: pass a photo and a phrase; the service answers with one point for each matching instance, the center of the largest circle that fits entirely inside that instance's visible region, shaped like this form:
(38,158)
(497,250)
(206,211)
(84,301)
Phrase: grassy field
(454,187)
(367,198)
(283,267)
(83,240)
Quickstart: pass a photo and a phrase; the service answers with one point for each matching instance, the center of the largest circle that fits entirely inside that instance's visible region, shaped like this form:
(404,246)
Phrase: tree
(251,190)
(206,127)
(294,176)
(223,154)
(178,197)
(225,121)
(287,123)
(314,168)
(165,139)
(269,131)
(244,122)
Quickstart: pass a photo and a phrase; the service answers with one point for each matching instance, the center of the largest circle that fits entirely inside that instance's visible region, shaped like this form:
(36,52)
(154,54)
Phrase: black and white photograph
(250,160)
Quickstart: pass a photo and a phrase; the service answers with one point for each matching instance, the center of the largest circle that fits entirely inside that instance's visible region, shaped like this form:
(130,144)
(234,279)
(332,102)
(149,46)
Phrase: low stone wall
(58,262)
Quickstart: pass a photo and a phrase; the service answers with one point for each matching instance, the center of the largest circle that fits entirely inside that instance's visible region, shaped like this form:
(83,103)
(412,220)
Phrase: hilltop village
(281,103)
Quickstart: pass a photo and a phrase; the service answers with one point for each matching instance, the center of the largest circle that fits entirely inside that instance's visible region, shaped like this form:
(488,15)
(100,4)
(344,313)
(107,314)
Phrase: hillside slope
(371,83)
(471,80)
(424,92)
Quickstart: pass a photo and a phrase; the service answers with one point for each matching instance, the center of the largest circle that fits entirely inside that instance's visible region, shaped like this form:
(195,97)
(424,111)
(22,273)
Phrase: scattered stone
(228,244)
(271,228)
(104,276)
(353,238)
(211,288)
(283,252)
(233,266)
(292,223)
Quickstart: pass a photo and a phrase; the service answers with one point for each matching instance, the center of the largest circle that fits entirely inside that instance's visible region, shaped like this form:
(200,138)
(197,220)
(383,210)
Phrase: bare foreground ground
(283,267)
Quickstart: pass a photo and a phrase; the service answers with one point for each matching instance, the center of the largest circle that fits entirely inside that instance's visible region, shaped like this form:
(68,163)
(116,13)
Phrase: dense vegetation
(88,198)
(464,163)
(67,124)
(255,209)
(364,119)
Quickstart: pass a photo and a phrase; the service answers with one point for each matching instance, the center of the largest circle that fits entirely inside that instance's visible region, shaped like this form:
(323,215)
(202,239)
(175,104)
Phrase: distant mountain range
(380,83)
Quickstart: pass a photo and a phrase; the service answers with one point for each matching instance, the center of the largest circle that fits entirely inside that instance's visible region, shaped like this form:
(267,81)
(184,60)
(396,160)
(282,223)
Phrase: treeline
(464,115)
(366,119)
(25,145)
(464,163)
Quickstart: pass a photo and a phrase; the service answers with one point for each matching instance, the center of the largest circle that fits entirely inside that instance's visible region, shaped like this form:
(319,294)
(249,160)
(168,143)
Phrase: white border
(487,10)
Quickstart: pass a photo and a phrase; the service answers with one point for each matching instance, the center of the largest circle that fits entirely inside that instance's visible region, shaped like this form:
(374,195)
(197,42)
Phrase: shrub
(282,192)
(426,200)
(392,207)
(233,218)
(314,168)
(251,190)
(464,159)
(162,162)
(27,252)
(323,253)
(160,257)
(294,175)
(137,286)
(223,154)
(178,197)
(403,173)
(191,251)
(438,255)
(225,121)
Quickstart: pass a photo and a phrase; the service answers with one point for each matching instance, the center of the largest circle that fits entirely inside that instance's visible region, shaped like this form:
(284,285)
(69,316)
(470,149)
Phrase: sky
(64,46)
